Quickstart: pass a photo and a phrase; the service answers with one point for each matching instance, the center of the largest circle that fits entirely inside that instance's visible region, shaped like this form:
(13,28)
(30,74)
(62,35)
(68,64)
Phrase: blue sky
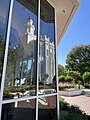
(77,33)
(20,16)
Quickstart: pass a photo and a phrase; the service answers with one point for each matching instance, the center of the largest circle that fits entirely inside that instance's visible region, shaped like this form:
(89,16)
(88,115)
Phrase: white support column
(38,40)
(58,112)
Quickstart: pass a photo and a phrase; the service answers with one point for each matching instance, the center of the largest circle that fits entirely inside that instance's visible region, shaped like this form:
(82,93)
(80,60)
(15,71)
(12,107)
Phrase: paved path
(82,101)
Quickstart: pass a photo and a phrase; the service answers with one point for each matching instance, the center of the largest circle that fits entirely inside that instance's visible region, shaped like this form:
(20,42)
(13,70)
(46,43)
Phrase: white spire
(29,27)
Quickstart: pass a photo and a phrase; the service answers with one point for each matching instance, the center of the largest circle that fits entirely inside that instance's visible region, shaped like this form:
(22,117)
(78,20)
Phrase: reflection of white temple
(47,53)
(28,40)
(47,60)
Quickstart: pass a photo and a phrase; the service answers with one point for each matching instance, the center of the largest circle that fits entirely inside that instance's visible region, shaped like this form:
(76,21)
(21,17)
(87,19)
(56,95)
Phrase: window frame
(37,63)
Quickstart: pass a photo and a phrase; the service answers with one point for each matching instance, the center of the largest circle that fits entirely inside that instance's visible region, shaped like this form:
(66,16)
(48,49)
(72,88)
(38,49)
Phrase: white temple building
(46,55)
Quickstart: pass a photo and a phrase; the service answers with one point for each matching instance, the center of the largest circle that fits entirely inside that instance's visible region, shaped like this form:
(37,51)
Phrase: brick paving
(51,103)
(82,101)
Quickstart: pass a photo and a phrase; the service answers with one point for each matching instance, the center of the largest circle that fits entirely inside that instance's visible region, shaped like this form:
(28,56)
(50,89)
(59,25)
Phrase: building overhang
(65,10)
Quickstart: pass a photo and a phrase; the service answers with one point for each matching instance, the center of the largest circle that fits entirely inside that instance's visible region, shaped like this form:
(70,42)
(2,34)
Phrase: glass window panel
(47,73)
(22,110)
(20,77)
(4,7)
(47,108)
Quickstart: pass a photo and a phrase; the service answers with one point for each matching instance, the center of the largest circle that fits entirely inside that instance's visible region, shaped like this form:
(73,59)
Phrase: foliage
(13,60)
(13,57)
(65,87)
(1,51)
(68,78)
(74,76)
(8,90)
(71,112)
(86,77)
(61,78)
(78,59)
(60,70)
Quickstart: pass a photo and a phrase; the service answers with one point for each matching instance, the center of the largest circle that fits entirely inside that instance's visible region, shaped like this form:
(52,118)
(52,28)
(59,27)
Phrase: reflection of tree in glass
(29,77)
(1,51)
(12,61)
(1,54)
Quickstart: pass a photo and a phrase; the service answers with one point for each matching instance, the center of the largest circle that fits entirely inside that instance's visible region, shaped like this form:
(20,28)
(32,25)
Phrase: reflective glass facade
(47,71)
(4,6)
(28,74)
(21,61)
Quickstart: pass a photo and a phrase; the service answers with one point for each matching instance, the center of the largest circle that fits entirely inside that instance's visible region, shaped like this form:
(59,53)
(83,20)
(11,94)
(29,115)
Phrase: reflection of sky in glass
(47,29)
(29,64)
(4,5)
(3,9)
(19,19)
(20,16)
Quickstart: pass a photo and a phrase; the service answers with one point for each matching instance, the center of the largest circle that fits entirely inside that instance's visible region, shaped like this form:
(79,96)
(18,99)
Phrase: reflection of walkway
(82,101)
(42,101)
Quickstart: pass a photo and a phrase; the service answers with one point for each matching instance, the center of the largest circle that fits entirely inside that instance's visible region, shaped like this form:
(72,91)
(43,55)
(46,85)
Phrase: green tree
(68,78)
(86,77)
(12,62)
(61,78)
(78,59)
(60,70)
(74,76)
(1,51)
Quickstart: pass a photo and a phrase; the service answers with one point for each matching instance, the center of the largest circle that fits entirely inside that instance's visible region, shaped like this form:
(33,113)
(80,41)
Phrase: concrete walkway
(82,101)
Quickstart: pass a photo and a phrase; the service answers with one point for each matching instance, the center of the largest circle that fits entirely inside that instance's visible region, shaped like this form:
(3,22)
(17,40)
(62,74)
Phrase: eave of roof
(65,10)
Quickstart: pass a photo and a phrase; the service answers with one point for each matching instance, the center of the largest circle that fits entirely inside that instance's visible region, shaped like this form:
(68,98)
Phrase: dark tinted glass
(47,108)
(22,110)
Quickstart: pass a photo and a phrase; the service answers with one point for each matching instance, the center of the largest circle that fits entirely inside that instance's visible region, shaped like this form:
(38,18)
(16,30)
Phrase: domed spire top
(29,27)
(29,21)
(29,18)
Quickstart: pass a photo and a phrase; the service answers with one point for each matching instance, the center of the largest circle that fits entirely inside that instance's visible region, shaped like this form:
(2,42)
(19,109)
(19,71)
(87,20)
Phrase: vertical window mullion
(6,53)
(37,58)
(56,64)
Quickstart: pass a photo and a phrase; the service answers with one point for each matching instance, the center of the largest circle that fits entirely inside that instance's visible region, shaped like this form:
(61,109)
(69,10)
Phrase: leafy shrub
(68,78)
(61,78)
(86,77)
(12,89)
(87,86)
(65,87)
(71,112)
